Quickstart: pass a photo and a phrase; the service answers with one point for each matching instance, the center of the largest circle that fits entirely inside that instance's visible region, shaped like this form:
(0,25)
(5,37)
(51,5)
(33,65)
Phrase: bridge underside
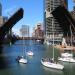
(29,38)
(62,15)
(10,23)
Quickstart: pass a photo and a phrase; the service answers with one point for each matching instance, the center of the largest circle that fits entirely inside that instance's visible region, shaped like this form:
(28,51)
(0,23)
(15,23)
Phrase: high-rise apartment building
(51,25)
(24,31)
(0,9)
(3,19)
(73,13)
(38,31)
(65,3)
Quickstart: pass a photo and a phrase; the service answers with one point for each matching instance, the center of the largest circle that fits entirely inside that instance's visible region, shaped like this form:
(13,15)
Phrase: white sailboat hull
(68,59)
(30,53)
(52,65)
(22,60)
(38,40)
(66,55)
(48,43)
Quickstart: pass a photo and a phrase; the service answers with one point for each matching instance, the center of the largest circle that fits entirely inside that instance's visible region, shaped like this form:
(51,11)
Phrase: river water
(9,66)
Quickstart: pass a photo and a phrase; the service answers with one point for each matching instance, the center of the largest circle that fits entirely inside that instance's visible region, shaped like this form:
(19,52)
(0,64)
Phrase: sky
(33,12)
(70,5)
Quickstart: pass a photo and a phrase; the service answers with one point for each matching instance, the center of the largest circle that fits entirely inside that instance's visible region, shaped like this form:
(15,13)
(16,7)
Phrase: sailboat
(51,62)
(66,54)
(30,52)
(68,57)
(21,58)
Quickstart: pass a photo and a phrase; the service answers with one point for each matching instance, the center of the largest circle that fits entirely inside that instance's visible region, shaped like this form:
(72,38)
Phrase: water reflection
(69,68)
(3,64)
(1,49)
(53,71)
(9,66)
(2,59)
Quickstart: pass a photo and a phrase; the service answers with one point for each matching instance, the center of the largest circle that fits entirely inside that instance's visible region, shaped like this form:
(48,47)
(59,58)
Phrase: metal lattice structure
(10,23)
(50,5)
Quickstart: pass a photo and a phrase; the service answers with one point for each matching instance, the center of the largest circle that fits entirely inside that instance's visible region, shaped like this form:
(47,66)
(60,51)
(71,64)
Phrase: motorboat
(30,53)
(22,60)
(51,64)
(66,54)
(67,59)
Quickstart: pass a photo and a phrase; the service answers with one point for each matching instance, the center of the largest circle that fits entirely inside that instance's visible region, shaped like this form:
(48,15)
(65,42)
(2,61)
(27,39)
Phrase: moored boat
(52,64)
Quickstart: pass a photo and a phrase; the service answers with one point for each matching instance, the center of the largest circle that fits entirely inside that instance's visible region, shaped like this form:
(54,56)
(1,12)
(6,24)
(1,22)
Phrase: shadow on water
(8,59)
(9,66)
(52,71)
(2,59)
(69,68)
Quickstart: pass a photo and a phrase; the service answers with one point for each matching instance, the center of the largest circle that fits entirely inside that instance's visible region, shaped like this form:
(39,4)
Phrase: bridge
(30,38)
(64,18)
(10,23)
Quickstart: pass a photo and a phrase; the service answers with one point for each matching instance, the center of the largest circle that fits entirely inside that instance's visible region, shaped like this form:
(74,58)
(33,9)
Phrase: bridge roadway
(29,38)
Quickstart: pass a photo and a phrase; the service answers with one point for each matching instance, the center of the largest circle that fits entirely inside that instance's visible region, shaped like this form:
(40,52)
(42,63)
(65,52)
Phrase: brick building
(38,32)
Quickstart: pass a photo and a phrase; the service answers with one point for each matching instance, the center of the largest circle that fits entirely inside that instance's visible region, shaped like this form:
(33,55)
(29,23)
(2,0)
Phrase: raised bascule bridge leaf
(65,19)
(10,23)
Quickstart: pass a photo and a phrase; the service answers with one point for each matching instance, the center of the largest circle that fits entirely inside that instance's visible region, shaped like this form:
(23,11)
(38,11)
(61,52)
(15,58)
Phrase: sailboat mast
(53,32)
(53,38)
(23,46)
(71,34)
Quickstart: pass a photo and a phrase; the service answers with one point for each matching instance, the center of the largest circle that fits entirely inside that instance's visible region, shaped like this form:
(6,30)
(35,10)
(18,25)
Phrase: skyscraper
(1,18)
(38,32)
(51,25)
(65,3)
(73,13)
(24,31)
(0,9)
